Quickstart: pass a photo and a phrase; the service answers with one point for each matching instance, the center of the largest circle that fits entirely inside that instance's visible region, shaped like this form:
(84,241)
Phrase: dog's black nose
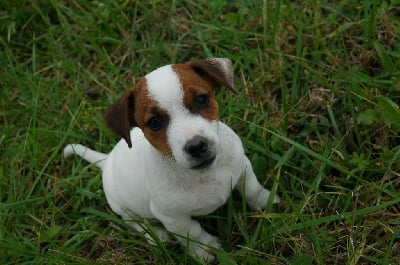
(196,147)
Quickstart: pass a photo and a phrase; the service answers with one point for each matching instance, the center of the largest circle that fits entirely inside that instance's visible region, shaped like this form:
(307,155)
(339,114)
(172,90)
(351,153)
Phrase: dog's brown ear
(120,117)
(218,69)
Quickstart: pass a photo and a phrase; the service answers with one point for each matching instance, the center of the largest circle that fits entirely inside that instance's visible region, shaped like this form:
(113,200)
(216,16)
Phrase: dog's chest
(200,192)
(197,196)
(209,195)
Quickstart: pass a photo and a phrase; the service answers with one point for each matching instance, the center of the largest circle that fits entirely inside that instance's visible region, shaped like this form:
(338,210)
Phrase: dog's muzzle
(201,152)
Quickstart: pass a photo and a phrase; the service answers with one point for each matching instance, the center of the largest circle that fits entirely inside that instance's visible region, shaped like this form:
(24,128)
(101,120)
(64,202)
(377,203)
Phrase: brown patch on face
(152,119)
(199,92)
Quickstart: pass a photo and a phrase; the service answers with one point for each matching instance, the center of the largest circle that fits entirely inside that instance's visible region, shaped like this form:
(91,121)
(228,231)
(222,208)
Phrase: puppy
(176,159)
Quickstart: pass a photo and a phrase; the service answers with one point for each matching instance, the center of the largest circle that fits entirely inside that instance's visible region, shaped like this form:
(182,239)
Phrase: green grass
(318,113)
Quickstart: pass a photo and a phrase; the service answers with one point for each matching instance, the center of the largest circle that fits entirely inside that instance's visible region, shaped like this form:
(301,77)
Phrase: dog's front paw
(202,251)
(260,201)
(161,235)
(212,241)
(202,254)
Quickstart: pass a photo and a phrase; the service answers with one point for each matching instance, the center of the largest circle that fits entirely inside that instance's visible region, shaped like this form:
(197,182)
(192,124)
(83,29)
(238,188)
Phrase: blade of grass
(341,216)
(294,90)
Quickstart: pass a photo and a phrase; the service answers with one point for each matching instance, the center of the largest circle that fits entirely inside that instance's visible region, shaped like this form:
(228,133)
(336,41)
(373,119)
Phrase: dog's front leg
(183,226)
(248,185)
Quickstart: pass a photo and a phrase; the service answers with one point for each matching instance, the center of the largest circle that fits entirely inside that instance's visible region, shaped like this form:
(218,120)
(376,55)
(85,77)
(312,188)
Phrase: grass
(318,113)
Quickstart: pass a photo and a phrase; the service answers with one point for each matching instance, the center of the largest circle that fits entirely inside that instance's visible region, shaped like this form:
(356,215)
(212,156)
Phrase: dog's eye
(202,101)
(155,123)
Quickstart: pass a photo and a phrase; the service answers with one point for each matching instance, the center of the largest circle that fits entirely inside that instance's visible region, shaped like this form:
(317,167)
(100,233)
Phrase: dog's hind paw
(261,200)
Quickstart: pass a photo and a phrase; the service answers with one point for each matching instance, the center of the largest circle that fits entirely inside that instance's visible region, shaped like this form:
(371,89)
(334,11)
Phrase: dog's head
(176,109)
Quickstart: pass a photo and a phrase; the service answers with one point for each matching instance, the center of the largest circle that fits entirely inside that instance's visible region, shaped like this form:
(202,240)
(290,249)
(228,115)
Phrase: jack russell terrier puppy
(177,160)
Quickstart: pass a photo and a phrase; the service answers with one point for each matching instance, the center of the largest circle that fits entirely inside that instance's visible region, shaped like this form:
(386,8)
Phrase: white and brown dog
(178,160)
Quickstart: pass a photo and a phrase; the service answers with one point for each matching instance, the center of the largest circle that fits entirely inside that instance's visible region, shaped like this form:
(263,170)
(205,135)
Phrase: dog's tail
(88,154)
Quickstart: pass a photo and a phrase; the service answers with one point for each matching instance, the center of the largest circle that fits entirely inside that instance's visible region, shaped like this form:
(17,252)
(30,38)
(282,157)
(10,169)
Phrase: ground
(317,110)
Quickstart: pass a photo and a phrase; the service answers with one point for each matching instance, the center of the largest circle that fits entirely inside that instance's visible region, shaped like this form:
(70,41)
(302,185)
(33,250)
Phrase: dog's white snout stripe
(165,88)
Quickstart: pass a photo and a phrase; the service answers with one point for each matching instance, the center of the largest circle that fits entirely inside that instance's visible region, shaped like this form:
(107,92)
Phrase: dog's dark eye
(202,101)
(155,123)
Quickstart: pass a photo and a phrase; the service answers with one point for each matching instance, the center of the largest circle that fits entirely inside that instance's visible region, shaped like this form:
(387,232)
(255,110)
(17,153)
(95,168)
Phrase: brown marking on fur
(193,85)
(146,109)
(136,107)
(216,70)
(120,118)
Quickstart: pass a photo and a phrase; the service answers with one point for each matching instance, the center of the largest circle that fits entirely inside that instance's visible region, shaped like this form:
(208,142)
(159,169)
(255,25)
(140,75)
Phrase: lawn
(317,111)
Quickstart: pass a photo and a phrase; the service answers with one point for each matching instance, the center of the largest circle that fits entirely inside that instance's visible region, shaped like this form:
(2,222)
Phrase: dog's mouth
(205,163)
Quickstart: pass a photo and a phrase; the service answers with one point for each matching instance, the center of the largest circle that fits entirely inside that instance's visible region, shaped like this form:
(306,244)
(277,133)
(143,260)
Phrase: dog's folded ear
(120,117)
(217,69)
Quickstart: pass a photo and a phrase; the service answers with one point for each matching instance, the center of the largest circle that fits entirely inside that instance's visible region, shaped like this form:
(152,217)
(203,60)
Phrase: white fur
(164,87)
(141,182)
(89,154)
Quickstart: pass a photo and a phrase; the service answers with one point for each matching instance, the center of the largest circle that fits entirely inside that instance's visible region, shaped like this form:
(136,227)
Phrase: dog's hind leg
(255,193)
